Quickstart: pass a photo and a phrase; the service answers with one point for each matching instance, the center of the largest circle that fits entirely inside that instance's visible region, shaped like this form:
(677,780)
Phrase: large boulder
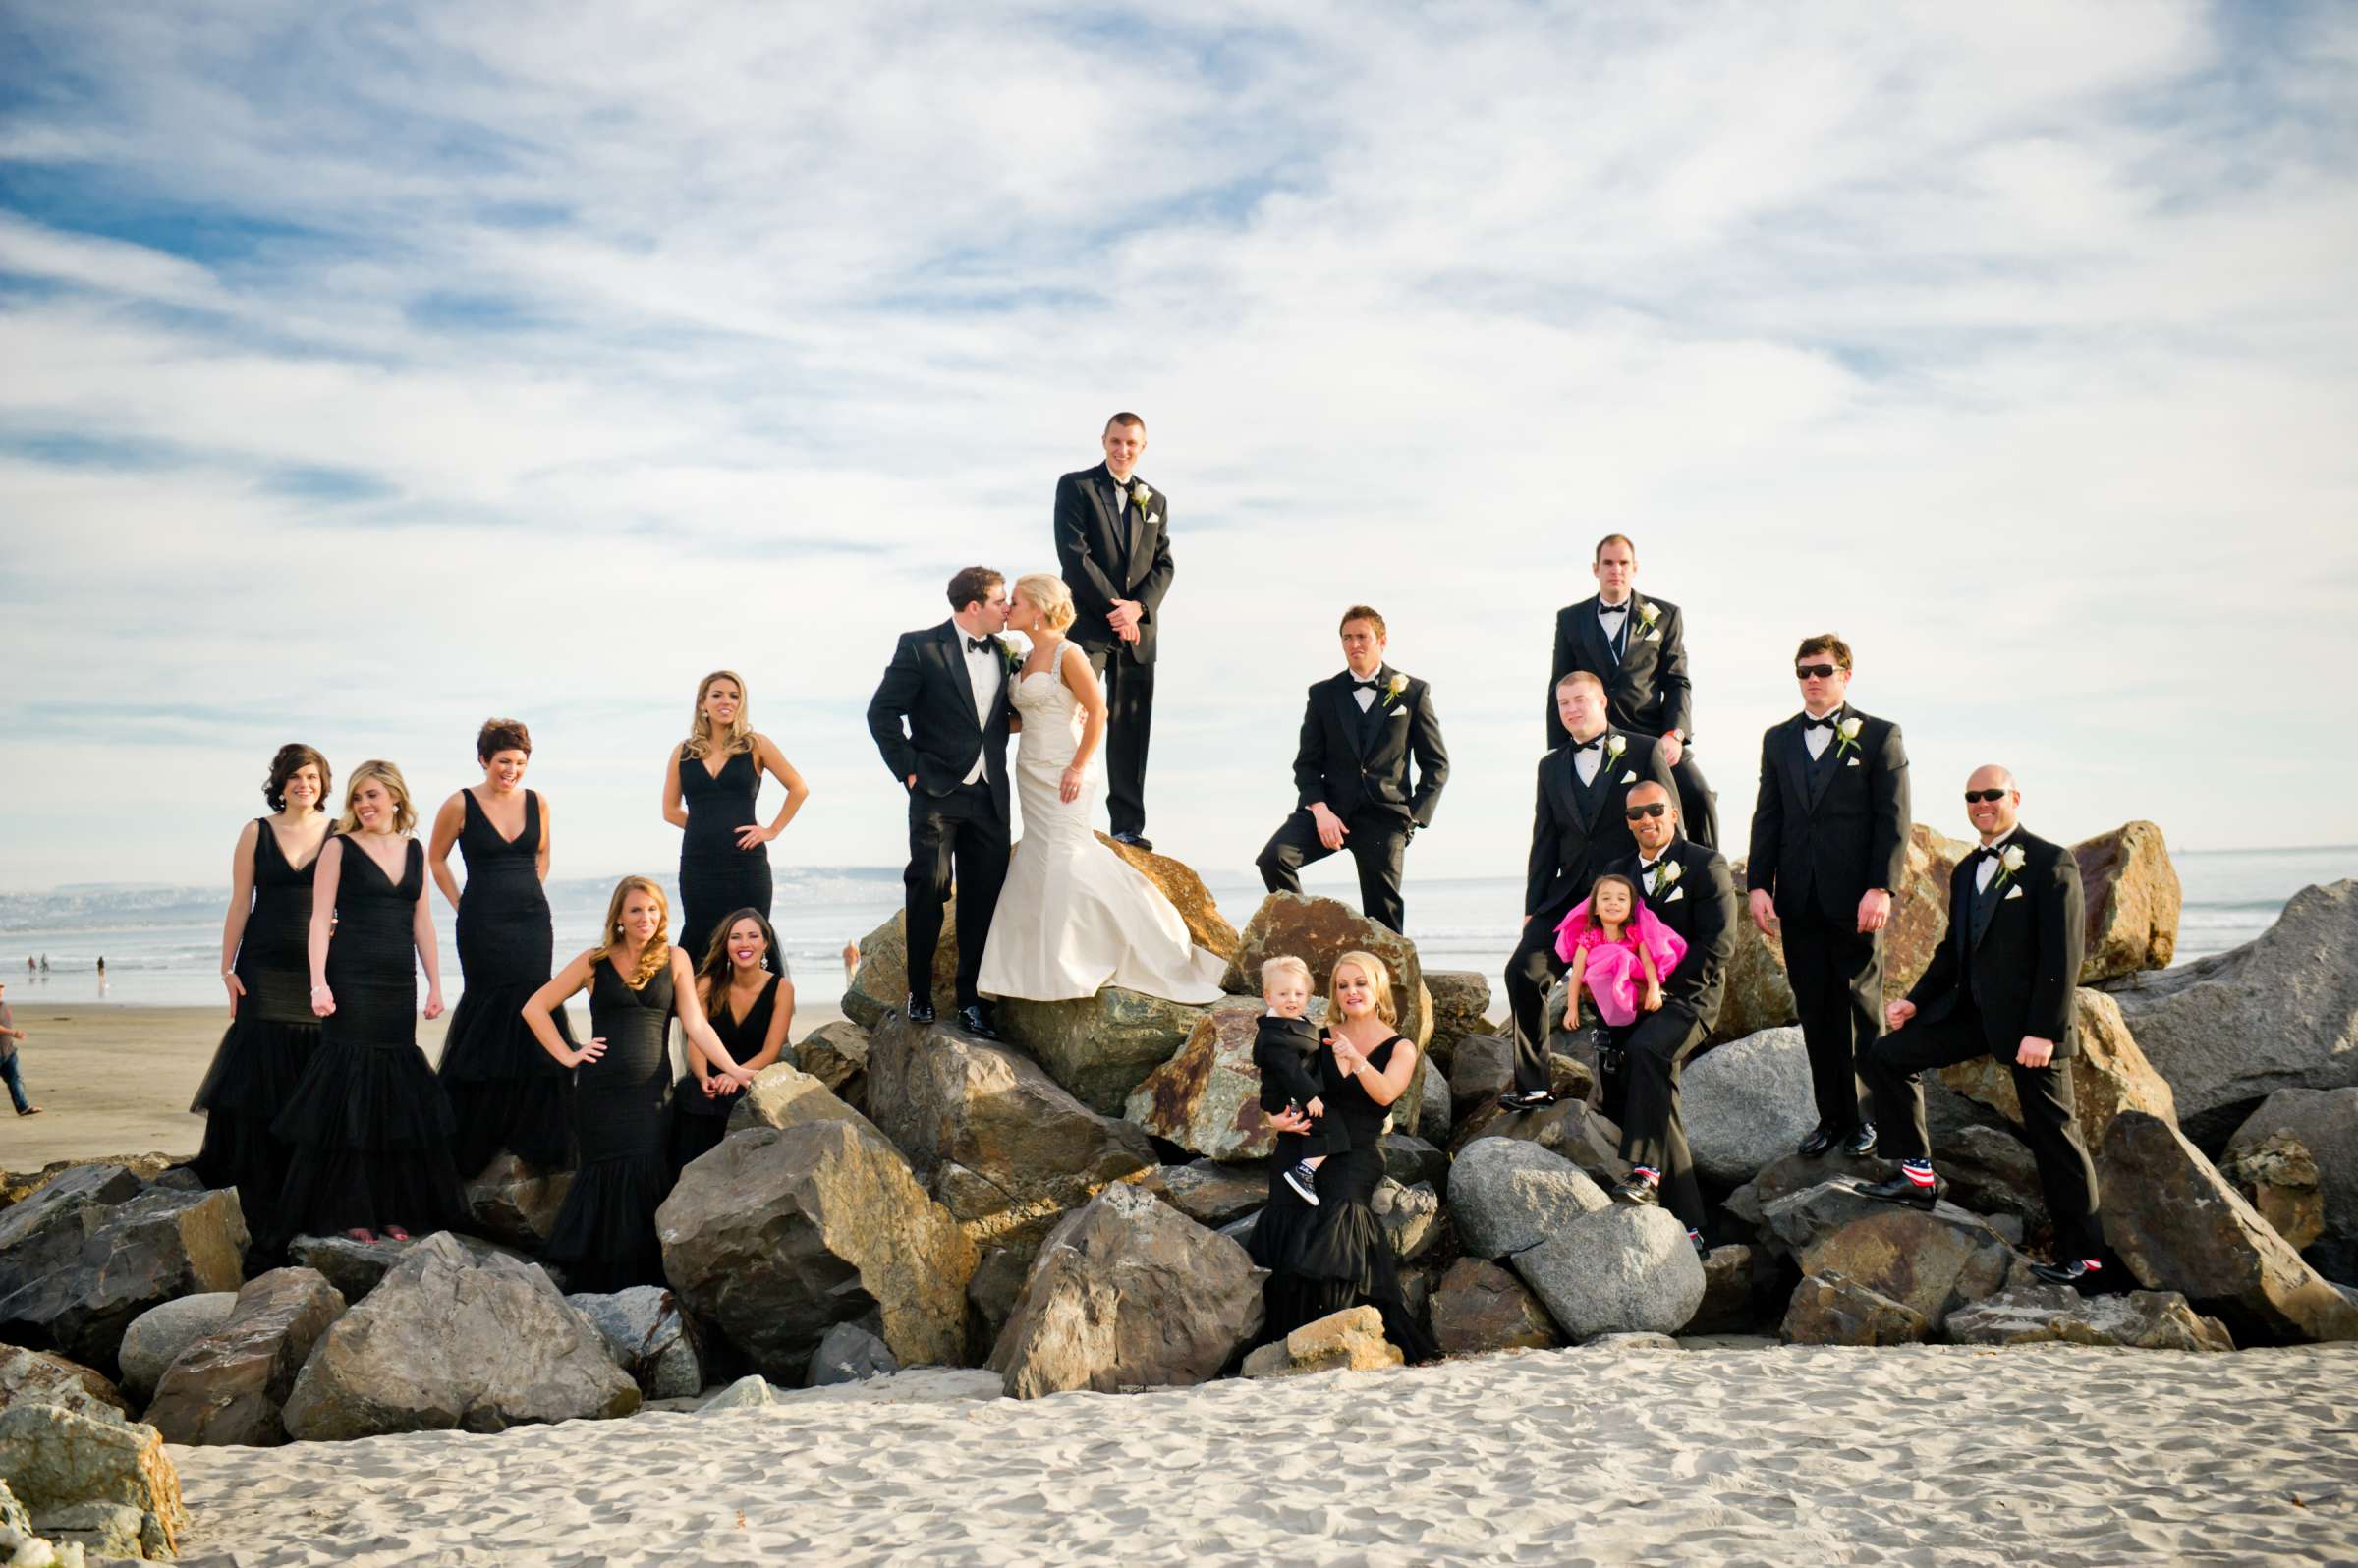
(1507,1195)
(2179,1226)
(452,1339)
(1571,1128)
(1620,1271)
(1461,1006)
(1479,1307)
(991,1135)
(836,1054)
(1409,1160)
(779,1234)
(2043,1315)
(43,1377)
(1351,1340)
(1319,931)
(1411,1216)
(2325,1122)
(2279,1177)
(1207,1097)
(648,1336)
(2108,1075)
(516,1202)
(1432,1121)
(157,1336)
(1482,1069)
(354,1268)
(58,1461)
(1781,1178)
(782,1095)
(1991,1173)
(1206,926)
(97,1246)
(880,985)
(1830,1309)
(849,1354)
(1100,1048)
(1934,1260)
(1208,1192)
(231,1387)
(2279,1012)
(2133,902)
(1128,1292)
(1747,1103)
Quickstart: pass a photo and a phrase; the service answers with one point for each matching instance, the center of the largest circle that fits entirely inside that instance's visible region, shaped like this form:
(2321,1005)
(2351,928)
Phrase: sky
(369,370)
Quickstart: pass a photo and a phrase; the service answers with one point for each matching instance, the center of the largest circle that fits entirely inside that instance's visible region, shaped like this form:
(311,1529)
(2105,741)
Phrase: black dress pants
(1377,841)
(1655,1047)
(1837,977)
(1129,688)
(1698,802)
(1531,974)
(965,831)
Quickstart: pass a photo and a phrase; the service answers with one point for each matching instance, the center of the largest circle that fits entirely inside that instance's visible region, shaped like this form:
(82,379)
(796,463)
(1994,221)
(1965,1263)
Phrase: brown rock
(1829,1309)
(1206,1099)
(2108,1076)
(1319,931)
(42,1378)
(2040,1315)
(2325,1123)
(1351,1340)
(1934,1261)
(16,1186)
(1992,1172)
(2277,1177)
(1728,1281)
(1208,1192)
(1479,1307)
(836,1054)
(1100,1048)
(880,985)
(229,1386)
(1206,926)
(1461,1005)
(2133,902)
(516,1202)
(1783,1178)
(783,1095)
(56,1460)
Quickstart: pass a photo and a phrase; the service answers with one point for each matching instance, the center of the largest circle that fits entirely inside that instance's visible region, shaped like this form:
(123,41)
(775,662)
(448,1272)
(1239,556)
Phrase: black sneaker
(919,1010)
(1304,1181)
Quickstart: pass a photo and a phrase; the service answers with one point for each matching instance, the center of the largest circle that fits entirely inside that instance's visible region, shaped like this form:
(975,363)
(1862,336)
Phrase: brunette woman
(748,994)
(708,790)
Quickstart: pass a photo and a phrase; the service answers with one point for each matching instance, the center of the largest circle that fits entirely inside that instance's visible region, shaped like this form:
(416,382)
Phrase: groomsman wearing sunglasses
(1829,844)
(2001,982)
(1690,889)
(1637,646)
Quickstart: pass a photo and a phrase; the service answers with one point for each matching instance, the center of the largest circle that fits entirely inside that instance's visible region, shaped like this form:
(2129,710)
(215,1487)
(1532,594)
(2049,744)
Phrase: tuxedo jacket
(1109,550)
(1354,762)
(1700,904)
(1828,838)
(2013,954)
(1570,844)
(1647,689)
(922,715)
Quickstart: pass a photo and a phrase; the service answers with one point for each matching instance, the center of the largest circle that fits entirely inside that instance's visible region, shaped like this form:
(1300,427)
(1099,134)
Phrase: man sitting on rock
(2001,982)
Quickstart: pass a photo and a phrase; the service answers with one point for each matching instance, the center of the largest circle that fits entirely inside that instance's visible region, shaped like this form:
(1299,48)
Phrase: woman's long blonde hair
(740,738)
(1379,980)
(657,952)
(404,815)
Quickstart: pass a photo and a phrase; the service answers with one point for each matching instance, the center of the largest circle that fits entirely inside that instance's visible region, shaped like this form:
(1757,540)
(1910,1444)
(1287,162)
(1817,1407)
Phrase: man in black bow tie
(1113,545)
(2001,982)
(1829,845)
(1637,646)
(1578,830)
(1360,732)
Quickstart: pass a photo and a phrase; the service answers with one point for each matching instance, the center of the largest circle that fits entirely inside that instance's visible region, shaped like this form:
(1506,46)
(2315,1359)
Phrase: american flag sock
(1919,1171)
(1646,1174)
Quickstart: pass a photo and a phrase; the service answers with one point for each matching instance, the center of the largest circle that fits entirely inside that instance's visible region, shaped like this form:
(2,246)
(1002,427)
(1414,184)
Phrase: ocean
(162,944)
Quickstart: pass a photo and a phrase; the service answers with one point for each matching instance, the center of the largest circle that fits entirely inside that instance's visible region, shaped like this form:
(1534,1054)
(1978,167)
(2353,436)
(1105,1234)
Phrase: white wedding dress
(1073,916)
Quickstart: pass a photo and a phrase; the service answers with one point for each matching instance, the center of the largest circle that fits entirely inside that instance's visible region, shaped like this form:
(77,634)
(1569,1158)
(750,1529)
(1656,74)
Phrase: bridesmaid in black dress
(266,968)
(604,1239)
(751,1006)
(369,1122)
(504,1089)
(1336,1255)
(708,790)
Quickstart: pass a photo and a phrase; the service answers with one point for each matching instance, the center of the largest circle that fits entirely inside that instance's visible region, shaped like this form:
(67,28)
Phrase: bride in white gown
(1073,916)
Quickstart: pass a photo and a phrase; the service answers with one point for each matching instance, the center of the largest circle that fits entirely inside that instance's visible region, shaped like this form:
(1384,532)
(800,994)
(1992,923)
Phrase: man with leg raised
(2001,982)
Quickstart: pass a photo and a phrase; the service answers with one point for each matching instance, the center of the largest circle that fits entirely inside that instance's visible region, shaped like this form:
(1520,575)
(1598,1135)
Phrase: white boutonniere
(1394,687)
(1646,619)
(1848,731)
(1140,495)
(2008,863)
(1665,873)
(1014,655)
(1614,746)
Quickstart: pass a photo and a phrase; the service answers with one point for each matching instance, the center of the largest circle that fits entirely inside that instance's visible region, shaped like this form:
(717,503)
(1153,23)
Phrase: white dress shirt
(1818,740)
(1988,868)
(1587,762)
(1647,869)
(984,672)
(1364,696)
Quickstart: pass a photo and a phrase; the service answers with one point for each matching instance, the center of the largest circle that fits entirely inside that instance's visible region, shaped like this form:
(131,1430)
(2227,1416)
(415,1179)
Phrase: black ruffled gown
(369,1125)
(1334,1256)
(267,1043)
(505,1091)
(716,877)
(605,1237)
(700,1121)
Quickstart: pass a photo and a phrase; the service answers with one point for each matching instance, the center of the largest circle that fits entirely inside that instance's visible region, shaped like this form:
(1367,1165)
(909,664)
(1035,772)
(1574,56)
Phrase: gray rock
(849,1354)
(836,1054)
(1993,1173)
(354,1268)
(1128,1292)
(1432,1103)
(879,986)
(1747,1103)
(1482,1069)
(57,1459)
(515,1202)
(2040,1315)
(1783,1178)
(1461,1002)
(450,1340)
(232,1385)
(1729,1278)
(1479,1307)
(11,1513)
(1830,1309)
(749,1392)
(43,1377)
(2325,1123)
(649,1338)
(1507,1195)
(782,1095)
(1933,1261)
(1410,1161)
(1571,1128)
(1099,1049)
(2279,1177)
(1411,1216)
(1622,1270)
(157,1336)
(1208,1192)
(991,1298)
(100,1528)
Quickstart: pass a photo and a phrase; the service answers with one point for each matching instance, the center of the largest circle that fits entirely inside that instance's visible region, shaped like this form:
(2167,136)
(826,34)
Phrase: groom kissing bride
(1072,915)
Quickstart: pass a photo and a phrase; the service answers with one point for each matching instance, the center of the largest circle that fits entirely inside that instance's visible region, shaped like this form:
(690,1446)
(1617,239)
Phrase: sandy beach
(1603,1455)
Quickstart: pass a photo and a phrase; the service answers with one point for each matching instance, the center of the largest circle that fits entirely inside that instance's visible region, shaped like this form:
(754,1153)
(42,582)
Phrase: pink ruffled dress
(1612,975)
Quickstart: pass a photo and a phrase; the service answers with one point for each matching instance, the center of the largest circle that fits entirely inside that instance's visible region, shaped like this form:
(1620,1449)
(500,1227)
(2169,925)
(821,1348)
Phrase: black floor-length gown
(505,1091)
(369,1125)
(698,1121)
(716,877)
(267,1043)
(1335,1255)
(604,1239)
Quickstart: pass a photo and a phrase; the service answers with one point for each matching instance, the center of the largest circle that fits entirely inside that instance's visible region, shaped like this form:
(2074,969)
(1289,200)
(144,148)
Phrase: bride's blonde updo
(1045,592)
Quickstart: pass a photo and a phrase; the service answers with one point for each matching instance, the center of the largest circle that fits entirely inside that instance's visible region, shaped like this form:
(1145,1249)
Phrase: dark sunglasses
(1650,808)
(1977,797)
(1803,672)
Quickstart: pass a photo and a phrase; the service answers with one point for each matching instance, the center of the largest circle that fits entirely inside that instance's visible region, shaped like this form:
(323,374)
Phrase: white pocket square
(2011,892)
(1676,894)
(1854,762)
(1630,777)
(1652,637)
(1399,713)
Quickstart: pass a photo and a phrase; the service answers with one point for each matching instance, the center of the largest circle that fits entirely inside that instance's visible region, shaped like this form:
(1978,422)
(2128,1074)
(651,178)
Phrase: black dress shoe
(972,1019)
(1642,1194)
(1860,1143)
(1900,1190)
(920,1012)
(1137,841)
(1524,1099)
(1818,1144)
(2067,1273)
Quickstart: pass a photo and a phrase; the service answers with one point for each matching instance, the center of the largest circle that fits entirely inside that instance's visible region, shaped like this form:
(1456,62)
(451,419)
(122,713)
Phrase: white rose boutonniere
(1014,657)
(1848,730)
(2008,863)
(1140,495)
(1646,619)
(1614,746)
(1665,873)
(1394,687)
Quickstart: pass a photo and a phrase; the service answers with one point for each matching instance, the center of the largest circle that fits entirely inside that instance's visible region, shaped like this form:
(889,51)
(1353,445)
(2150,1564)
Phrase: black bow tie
(979,644)
(1621,609)
(1826,724)
(1595,745)
(1359,684)
(1986,852)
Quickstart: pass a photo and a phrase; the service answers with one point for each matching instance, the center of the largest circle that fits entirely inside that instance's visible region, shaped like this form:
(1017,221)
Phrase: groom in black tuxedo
(1829,845)
(1360,732)
(940,717)
(2001,982)
(1637,646)
(1578,828)
(1113,544)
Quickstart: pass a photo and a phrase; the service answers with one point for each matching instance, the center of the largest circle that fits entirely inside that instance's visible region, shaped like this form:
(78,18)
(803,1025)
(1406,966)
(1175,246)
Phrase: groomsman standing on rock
(1829,845)
(1113,544)
(1360,732)
(1637,646)
(1578,830)
(2001,982)
(1690,889)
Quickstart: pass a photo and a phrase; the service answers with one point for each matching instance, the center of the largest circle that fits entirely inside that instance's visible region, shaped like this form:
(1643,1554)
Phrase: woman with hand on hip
(708,791)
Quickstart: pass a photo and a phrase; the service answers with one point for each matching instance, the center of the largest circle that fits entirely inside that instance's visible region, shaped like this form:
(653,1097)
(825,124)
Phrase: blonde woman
(369,1122)
(604,1239)
(708,790)
(1074,916)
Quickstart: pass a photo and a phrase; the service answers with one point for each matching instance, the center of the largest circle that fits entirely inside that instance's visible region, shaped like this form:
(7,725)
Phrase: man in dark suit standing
(1113,545)
(1353,786)
(1829,845)
(1637,646)
(940,717)
(2001,982)
(1578,828)
(1690,889)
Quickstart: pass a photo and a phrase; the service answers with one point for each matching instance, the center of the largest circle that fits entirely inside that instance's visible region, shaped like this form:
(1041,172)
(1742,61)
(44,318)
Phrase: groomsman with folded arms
(1637,646)
(1829,845)
(2001,982)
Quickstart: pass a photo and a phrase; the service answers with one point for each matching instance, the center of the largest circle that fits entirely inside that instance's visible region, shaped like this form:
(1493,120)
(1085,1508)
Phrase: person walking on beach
(1637,646)
(710,787)
(2001,982)
(1113,544)
(1829,845)
(11,1038)
(1367,773)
